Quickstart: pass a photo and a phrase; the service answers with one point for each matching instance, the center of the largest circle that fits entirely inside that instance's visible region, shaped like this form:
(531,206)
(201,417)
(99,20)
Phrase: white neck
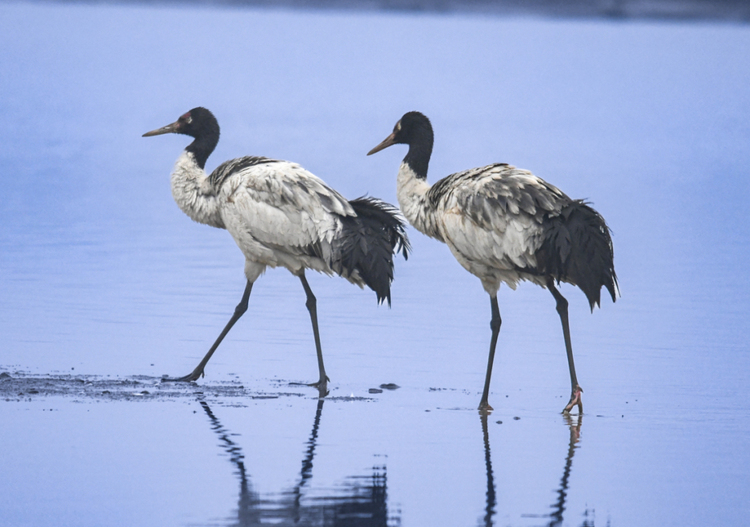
(194,193)
(412,198)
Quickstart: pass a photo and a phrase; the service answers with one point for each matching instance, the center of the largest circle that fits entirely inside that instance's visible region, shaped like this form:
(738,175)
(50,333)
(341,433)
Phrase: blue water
(102,275)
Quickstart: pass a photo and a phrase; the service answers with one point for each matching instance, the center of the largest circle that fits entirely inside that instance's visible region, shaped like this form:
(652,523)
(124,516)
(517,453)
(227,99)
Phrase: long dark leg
(562,310)
(322,384)
(238,312)
(484,405)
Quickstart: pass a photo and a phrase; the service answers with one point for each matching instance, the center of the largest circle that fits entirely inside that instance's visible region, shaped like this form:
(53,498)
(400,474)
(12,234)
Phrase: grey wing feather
(492,217)
(236,166)
(481,193)
(282,206)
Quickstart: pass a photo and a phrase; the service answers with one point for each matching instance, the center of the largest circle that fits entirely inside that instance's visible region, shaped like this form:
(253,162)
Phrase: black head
(413,129)
(198,123)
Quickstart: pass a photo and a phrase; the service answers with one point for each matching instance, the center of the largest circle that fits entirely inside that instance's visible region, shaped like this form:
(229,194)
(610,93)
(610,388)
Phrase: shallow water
(107,285)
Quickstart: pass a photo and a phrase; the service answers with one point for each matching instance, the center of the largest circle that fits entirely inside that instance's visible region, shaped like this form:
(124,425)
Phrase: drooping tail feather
(577,248)
(368,242)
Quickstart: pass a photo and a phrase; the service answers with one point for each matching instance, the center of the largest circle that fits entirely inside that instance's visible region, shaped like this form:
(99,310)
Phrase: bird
(281,215)
(505,225)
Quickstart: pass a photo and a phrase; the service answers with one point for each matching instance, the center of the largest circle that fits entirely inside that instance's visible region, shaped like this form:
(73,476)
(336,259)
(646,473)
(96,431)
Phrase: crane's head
(413,128)
(196,123)
(199,124)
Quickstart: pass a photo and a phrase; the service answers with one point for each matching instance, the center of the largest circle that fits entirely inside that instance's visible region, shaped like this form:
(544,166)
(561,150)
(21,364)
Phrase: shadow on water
(361,501)
(574,423)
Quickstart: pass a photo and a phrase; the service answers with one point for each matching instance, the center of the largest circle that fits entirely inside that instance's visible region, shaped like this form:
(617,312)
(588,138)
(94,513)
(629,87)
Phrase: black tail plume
(368,242)
(577,248)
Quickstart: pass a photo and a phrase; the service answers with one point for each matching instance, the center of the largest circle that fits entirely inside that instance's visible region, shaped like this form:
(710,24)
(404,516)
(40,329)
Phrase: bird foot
(322,386)
(191,377)
(575,400)
(485,408)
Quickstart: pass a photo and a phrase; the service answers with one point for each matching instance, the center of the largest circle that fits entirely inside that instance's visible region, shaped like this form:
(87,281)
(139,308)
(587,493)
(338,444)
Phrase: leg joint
(562,304)
(240,309)
(311,301)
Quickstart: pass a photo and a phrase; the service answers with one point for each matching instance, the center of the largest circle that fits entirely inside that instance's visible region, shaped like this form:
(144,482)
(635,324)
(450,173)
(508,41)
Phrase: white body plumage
(274,222)
(494,247)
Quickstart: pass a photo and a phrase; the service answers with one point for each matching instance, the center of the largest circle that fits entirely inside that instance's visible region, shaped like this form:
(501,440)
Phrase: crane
(505,225)
(281,215)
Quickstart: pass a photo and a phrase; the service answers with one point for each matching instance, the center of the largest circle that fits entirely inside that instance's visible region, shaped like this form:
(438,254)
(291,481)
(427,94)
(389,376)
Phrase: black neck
(202,147)
(206,133)
(420,143)
(418,159)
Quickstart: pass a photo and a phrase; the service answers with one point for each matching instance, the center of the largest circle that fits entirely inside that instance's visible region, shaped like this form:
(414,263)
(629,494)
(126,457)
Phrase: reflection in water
(489,509)
(248,512)
(361,501)
(307,463)
(558,507)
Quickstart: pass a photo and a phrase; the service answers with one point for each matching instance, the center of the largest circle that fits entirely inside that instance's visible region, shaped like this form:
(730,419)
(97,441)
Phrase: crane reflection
(360,501)
(555,518)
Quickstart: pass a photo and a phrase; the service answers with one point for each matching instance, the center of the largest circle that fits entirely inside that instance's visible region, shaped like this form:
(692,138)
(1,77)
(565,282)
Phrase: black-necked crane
(504,224)
(281,215)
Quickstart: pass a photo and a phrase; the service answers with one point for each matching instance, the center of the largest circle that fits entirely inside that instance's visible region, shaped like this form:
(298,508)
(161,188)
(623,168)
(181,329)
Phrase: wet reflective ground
(109,447)
(107,286)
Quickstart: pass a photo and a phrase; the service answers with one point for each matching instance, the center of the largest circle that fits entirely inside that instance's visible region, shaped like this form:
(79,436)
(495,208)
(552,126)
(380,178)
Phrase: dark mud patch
(20,386)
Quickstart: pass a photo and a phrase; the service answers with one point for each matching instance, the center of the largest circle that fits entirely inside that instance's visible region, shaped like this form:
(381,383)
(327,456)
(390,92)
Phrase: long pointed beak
(388,141)
(169,129)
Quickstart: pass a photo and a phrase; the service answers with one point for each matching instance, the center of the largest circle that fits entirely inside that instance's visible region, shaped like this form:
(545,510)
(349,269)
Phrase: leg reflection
(574,423)
(491,503)
(250,511)
(362,498)
(249,505)
(558,508)
(307,462)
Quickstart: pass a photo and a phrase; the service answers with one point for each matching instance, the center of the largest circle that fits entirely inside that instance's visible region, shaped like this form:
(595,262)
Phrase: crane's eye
(397,128)
(187,118)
